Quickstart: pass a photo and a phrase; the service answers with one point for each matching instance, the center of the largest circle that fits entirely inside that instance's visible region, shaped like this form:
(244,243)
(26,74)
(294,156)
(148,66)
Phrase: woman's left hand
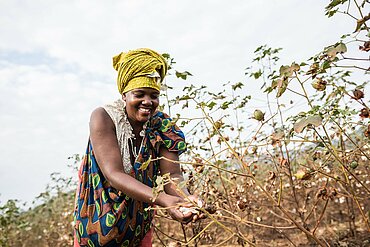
(190,207)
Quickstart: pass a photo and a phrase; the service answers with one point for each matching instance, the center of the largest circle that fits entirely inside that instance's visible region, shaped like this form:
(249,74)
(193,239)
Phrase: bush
(295,171)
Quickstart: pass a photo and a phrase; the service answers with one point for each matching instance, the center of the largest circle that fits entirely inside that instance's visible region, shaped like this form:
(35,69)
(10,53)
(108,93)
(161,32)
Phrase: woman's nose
(147,101)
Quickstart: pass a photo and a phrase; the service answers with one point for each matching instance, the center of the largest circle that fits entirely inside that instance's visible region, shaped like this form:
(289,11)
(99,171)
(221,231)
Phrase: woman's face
(141,103)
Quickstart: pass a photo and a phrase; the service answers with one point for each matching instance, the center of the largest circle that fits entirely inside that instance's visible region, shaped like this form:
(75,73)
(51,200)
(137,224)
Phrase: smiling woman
(141,104)
(120,167)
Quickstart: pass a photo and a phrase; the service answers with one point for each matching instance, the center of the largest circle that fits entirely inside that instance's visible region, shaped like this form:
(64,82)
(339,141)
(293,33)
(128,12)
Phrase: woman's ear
(124,100)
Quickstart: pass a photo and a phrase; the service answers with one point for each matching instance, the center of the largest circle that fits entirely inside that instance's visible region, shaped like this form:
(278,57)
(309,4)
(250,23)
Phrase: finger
(185,216)
(177,215)
(195,217)
(188,215)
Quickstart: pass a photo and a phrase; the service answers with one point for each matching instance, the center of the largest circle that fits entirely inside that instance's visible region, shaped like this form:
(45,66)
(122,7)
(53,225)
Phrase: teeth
(144,110)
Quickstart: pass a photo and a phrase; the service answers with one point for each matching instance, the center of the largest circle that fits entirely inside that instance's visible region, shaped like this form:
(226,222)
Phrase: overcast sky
(56,63)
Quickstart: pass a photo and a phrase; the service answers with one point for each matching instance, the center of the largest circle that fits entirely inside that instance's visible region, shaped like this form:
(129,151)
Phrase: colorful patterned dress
(104,216)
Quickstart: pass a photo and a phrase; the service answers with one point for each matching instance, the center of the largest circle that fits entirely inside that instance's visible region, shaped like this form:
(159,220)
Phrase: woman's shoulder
(99,113)
(115,109)
(113,112)
(100,118)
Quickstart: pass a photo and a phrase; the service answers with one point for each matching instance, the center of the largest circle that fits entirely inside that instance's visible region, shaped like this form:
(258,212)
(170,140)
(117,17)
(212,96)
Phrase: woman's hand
(173,204)
(191,203)
(193,206)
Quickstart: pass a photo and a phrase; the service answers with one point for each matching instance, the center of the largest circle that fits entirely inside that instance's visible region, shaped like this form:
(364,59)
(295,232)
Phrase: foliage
(48,222)
(293,172)
(267,174)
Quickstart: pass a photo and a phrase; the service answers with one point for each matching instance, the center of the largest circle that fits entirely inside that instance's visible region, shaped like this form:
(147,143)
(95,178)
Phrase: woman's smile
(141,104)
(145,111)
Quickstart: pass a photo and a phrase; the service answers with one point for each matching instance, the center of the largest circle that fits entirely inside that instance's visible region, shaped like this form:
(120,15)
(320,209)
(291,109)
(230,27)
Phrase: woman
(118,171)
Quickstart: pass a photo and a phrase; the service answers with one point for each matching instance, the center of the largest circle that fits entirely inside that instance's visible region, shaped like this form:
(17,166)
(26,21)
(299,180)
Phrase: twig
(321,215)
(184,232)
(158,229)
(200,233)
(222,243)
(286,236)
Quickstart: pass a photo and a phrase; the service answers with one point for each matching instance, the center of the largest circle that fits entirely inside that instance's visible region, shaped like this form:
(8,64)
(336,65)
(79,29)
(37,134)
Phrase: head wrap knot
(139,68)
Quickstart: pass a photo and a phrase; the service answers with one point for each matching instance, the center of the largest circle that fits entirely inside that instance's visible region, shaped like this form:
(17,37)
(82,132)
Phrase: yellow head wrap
(139,68)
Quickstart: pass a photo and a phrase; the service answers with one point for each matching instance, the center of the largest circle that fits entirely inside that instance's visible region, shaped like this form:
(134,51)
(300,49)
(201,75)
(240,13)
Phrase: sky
(56,64)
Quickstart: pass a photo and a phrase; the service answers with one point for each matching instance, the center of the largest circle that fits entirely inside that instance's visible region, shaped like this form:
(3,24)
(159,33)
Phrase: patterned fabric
(105,216)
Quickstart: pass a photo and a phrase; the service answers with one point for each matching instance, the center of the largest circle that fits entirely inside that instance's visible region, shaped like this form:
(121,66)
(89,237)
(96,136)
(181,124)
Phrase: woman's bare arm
(106,150)
(174,169)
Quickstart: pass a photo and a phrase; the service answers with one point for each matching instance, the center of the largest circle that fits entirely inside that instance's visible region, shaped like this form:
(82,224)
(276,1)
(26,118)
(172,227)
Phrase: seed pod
(254,149)
(313,68)
(198,165)
(219,140)
(358,94)
(199,168)
(322,193)
(365,113)
(272,175)
(54,235)
(353,164)
(241,204)
(259,115)
(367,131)
(365,47)
(218,125)
(303,175)
(210,209)
(319,84)
(333,193)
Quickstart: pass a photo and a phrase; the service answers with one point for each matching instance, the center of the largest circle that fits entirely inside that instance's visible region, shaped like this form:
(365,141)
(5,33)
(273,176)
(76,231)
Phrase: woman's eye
(139,95)
(155,96)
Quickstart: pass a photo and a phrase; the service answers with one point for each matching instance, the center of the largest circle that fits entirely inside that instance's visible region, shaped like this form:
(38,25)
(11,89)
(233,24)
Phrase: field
(274,176)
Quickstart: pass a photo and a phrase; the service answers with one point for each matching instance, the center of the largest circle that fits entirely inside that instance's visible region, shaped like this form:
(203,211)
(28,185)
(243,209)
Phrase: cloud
(44,119)
(56,67)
